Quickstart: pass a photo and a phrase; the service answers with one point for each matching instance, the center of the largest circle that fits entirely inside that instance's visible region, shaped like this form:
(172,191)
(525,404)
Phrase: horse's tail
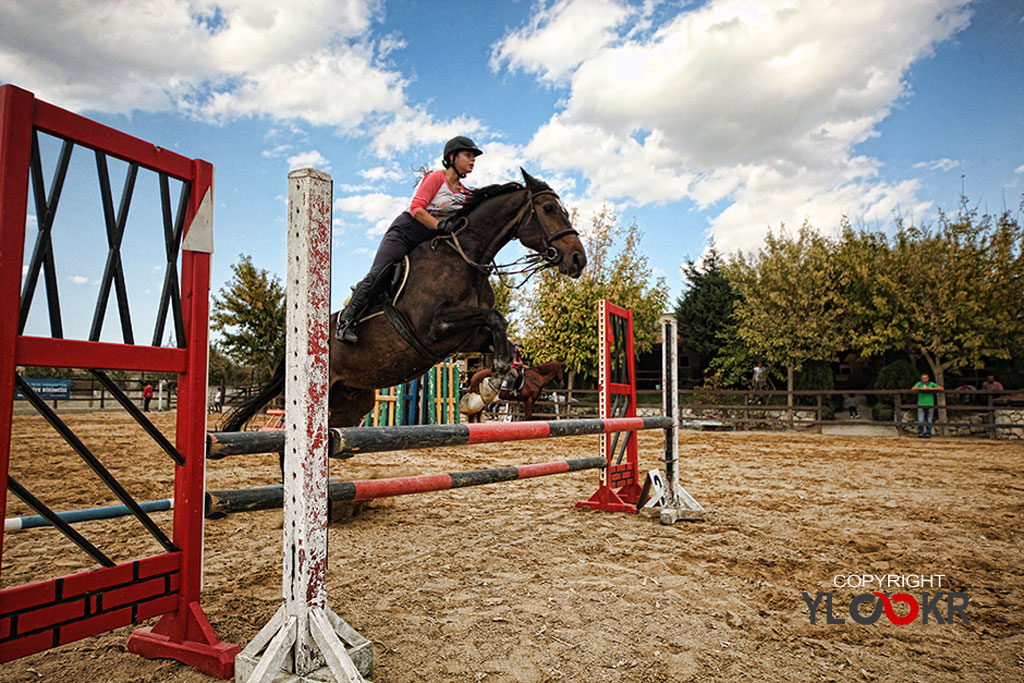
(241,413)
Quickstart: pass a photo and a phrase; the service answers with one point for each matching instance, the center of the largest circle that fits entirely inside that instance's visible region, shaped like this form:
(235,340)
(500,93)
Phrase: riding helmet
(457,144)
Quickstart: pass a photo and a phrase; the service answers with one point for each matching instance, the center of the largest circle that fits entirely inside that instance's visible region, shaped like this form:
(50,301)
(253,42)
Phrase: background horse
(536,378)
(447,305)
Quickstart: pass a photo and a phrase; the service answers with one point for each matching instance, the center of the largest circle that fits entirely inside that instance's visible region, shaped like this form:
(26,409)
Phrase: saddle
(514,381)
(385,292)
(386,289)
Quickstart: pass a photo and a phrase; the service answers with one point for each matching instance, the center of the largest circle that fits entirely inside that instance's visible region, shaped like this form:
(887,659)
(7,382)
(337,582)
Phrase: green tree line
(951,294)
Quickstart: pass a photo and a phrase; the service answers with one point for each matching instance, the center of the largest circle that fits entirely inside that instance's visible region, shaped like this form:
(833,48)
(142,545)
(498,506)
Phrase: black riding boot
(350,316)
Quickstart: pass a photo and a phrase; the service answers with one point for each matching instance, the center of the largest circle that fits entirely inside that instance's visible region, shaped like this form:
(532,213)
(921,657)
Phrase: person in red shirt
(439,195)
(147,396)
(992,384)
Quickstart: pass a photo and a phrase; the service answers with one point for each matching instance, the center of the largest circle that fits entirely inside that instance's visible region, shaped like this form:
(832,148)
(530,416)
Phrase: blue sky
(695,120)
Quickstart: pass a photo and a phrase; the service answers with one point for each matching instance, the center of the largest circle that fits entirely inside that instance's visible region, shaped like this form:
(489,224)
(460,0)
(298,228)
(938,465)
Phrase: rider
(439,195)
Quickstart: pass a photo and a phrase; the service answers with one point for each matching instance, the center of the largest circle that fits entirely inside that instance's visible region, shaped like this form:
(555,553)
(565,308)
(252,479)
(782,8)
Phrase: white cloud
(500,163)
(213,59)
(758,104)
(414,127)
(938,165)
(383,173)
(310,159)
(309,88)
(276,151)
(1019,169)
(769,200)
(355,189)
(559,38)
(376,208)
(78,279)
(389,44)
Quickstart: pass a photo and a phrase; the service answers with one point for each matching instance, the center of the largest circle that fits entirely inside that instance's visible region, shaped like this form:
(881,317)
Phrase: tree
(559,315)
(249,314)
(704,310)
(223,371)
(952,294)
(789,310)
(504,301)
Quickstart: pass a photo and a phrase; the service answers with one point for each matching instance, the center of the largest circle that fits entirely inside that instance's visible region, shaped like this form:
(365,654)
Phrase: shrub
(899,374)
(882,411)
(816,375)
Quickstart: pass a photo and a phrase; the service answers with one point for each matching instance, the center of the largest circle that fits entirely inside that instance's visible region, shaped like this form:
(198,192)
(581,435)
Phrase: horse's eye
(549,208)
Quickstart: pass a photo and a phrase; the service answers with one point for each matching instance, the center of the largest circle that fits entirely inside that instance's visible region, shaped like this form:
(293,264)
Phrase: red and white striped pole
(305,635)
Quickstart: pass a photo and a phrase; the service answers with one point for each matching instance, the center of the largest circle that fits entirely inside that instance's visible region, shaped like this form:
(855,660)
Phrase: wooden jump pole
(85,515)
(349,441)
(231,501)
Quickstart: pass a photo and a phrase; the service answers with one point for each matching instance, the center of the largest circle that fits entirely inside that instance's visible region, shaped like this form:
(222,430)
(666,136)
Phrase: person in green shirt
(925,405)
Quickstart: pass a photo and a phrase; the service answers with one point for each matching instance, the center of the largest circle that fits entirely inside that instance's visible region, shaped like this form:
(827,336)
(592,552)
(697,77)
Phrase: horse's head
(549,231)
(553,371)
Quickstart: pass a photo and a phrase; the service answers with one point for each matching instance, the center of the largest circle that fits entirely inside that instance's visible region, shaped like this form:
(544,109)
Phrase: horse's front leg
(528,408)
(452,321)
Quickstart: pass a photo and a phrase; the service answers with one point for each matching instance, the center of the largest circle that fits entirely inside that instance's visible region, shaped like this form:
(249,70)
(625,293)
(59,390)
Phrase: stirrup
(345,334)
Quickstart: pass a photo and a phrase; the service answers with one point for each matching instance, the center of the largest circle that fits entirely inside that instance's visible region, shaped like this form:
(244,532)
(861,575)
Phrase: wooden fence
(965,413)
(86,393)
(957,413)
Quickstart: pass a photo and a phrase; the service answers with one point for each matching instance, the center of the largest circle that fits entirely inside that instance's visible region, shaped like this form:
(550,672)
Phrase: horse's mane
(480,195)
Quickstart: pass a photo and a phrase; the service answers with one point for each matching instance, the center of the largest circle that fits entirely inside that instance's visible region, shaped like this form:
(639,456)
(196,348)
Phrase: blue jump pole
(72,516)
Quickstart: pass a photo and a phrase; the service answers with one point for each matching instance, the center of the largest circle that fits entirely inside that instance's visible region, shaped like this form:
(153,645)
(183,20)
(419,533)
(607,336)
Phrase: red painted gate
(52,612)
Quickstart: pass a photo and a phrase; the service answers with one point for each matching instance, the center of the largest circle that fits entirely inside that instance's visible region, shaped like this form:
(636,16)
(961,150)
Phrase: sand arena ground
(511,583)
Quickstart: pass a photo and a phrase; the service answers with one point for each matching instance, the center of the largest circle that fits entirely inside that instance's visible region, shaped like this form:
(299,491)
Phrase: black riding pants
(402,237)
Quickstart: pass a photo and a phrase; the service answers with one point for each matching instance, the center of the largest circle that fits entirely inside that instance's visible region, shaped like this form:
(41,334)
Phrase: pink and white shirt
(434,195)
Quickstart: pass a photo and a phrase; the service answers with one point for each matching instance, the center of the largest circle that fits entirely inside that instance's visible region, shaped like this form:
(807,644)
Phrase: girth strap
(406,332)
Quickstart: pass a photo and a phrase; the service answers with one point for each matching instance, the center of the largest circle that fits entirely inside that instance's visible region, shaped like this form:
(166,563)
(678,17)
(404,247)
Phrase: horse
(534,380)
(448,305)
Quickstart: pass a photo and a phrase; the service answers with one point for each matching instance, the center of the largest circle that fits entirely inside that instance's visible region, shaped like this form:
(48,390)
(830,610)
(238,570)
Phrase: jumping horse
(534,380)
(447,304)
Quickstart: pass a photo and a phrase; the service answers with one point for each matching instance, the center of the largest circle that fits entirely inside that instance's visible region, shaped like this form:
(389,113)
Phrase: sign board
(48,389)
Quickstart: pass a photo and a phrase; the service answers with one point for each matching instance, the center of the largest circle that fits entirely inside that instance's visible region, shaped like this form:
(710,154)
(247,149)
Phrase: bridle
(551,255)
(531,263)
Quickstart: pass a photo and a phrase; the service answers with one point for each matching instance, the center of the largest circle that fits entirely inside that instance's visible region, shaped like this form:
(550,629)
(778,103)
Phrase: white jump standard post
(670,499)
(305,640)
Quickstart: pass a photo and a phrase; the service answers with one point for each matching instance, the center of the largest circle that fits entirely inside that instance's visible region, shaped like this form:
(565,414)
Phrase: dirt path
(511,583)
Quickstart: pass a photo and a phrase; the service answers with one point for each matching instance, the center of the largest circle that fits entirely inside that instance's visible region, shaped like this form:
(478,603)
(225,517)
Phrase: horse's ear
(529,179)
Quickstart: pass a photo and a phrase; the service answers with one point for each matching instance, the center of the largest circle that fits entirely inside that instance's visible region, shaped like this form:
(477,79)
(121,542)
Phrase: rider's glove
(449,225)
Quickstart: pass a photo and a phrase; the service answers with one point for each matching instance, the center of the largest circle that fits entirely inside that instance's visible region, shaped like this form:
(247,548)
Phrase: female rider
(439,195)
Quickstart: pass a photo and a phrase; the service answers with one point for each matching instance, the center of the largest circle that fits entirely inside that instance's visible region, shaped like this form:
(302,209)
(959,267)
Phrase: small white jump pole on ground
(677,504)
(306,640)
